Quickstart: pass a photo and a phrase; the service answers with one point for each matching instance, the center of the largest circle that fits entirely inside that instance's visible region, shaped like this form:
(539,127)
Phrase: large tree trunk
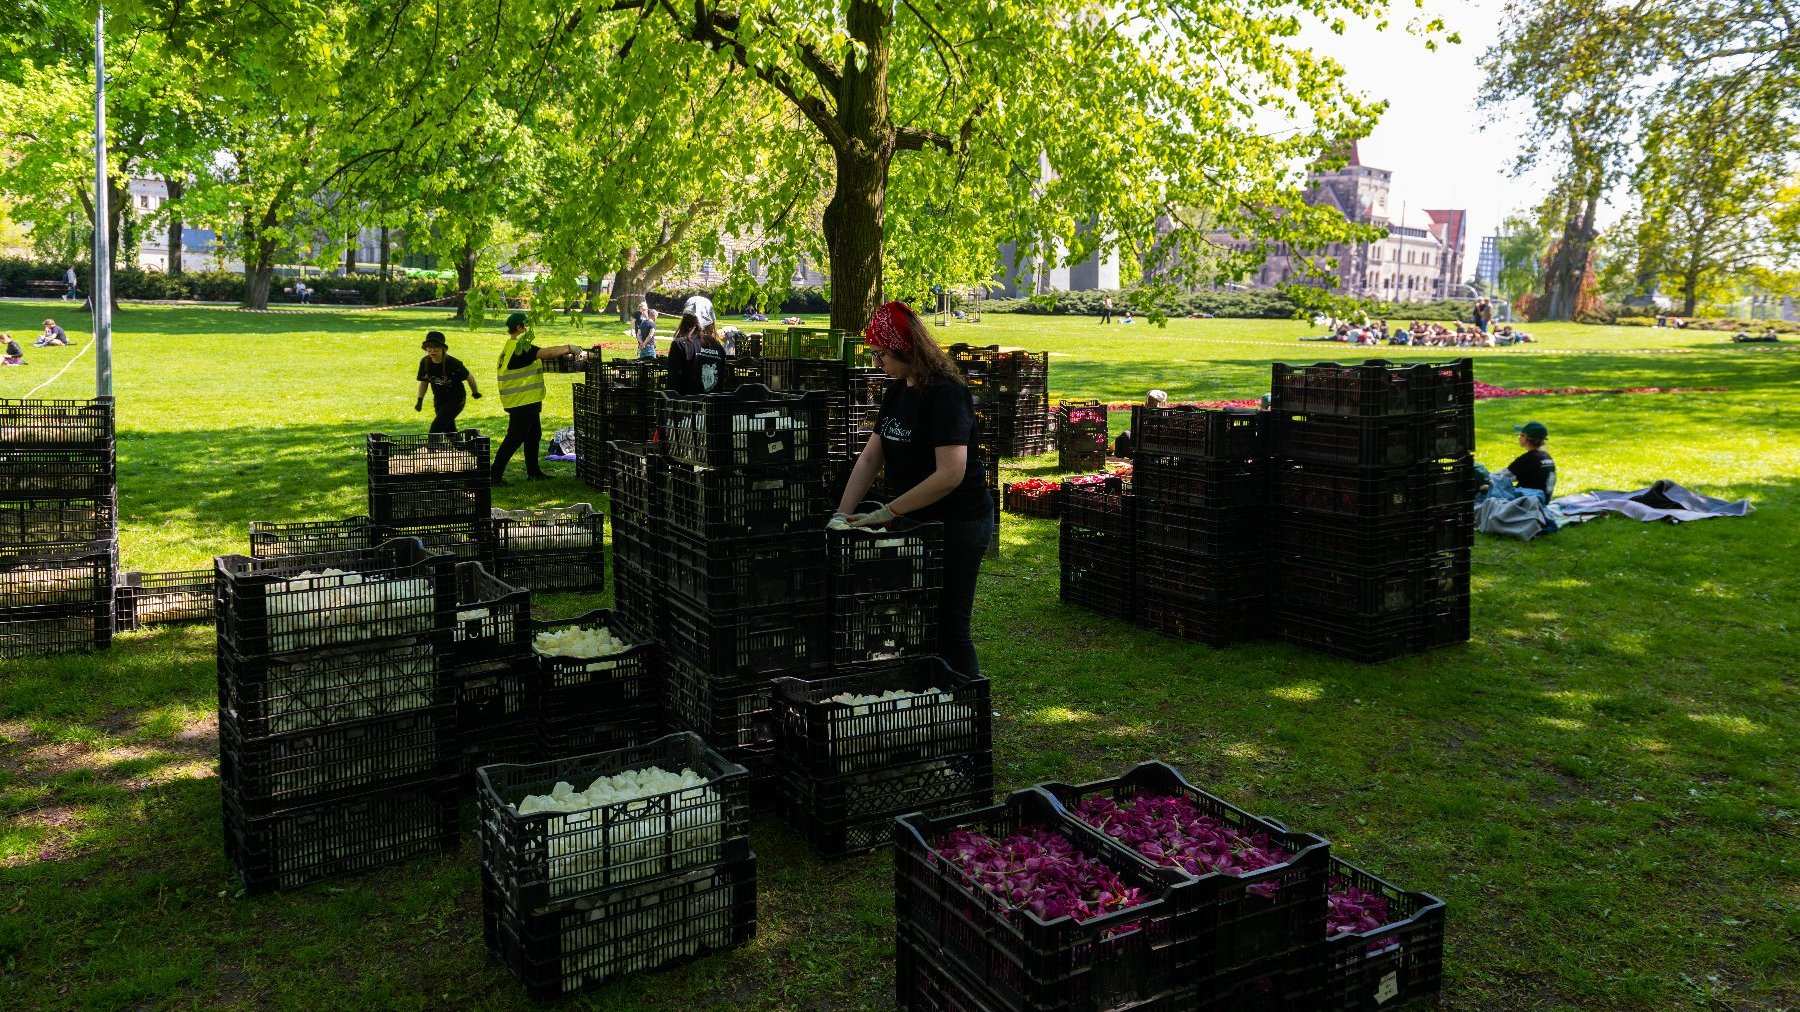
(174,228)
(350,254)
(1568,265)
(855,218)
(381,287)
(259,275)
(593,304)
(465,278)
(628,285)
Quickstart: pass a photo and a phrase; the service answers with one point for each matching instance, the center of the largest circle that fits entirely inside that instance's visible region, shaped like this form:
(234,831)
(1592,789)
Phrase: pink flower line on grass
(1039,870)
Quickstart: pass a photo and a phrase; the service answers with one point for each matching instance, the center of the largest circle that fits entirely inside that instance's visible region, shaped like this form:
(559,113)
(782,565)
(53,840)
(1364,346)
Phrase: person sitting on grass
(53,336)
(1155,400)
(15,355)
(1531,473)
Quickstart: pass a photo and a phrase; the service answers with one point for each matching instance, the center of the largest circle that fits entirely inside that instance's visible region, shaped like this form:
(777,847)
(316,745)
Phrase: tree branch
(706,29)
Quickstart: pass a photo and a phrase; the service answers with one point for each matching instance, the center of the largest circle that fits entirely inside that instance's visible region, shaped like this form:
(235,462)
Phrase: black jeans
(524,430)
(444,419)
(965,544)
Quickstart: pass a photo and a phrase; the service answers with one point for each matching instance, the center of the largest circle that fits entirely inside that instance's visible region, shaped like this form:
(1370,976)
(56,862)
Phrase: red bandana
(890,329)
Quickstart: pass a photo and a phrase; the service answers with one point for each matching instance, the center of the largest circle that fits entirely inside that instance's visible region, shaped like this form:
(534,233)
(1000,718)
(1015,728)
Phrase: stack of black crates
(1201,479)
(615,403)
(738,595)
(337,719)
(849,767)
(1082,440)
(561,548)
(1012,396)
(493,673)
(1098,547)
(1373,487)
(58,526)
(597,703)
(575,897)
(434,487)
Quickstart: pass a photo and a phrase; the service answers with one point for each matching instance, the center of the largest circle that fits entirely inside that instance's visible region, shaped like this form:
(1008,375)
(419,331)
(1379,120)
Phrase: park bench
(47,288)
(345,295)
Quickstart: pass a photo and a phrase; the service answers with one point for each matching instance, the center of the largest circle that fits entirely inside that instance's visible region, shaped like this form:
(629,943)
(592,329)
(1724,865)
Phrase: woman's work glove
(419,405)
(475,394)
(880,516)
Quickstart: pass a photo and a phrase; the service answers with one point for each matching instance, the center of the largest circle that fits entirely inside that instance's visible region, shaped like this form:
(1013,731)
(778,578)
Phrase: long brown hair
(926,360)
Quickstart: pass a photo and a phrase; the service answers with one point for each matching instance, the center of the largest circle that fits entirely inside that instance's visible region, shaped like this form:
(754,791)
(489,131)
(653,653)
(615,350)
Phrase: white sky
(1431,136)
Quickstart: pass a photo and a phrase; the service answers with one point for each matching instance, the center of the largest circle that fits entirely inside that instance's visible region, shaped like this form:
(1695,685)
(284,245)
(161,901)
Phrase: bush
(1251,305)
(130,282)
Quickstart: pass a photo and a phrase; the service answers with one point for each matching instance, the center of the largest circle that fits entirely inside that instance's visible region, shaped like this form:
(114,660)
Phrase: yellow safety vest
(519,387)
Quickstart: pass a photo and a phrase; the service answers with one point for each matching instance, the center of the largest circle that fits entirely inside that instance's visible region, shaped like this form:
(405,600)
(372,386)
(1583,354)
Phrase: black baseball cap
(1533,430)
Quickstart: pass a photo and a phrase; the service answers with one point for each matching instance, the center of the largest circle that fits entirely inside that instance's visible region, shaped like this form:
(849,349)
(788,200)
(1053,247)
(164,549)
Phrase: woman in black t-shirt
(925,436)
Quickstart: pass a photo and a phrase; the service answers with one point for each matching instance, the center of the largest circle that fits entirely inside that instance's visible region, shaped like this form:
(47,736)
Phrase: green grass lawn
(1602,784)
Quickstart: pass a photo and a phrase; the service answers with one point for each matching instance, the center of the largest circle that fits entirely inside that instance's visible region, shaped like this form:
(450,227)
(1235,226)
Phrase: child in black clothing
(445,376)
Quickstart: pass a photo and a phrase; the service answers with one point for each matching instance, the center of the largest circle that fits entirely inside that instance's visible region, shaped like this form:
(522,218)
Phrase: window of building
(143,201)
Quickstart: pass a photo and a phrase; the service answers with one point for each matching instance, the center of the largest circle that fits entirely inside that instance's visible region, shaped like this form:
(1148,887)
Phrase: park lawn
(1601,784)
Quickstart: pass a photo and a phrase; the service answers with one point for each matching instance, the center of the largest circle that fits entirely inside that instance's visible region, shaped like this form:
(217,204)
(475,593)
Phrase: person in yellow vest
(521,382)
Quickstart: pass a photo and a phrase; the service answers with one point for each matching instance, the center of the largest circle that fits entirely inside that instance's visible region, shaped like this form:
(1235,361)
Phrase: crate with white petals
(270,540)
(145,599)
(562,548)
(881,714)
(751,426)
(593,664)
(56,424)
(493,617)
(557,830)
(330,599)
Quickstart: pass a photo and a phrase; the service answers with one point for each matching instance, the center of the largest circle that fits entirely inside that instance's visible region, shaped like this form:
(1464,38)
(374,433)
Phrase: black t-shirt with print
(697,366)
(446,379)
(913,423)
(1533,469)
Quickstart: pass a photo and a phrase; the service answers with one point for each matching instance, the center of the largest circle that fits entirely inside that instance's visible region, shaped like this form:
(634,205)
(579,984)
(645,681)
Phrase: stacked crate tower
(1202,483)
(616,402)
(1098,548)
(578,890)
(1012,396)
(836,364)
(434,487)
(337,722)
(1373,488)
(59,546)
(1082,440)
(739,596)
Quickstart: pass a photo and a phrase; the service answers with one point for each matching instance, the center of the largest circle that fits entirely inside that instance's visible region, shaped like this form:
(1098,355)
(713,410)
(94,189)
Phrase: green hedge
(1254,305)
(210,286)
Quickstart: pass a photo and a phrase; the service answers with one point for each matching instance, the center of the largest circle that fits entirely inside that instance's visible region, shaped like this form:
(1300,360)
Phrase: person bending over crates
(926,436)
(697,362)
(445,376)
(521,381)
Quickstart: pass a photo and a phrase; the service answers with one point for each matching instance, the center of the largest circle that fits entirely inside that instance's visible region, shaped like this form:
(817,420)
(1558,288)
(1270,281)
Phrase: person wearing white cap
(697,361)
(1122,446)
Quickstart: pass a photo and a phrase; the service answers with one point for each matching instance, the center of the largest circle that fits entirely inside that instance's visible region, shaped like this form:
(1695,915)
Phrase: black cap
(435,338)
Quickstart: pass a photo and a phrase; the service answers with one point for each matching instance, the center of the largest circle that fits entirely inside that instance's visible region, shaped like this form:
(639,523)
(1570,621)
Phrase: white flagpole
(102,286)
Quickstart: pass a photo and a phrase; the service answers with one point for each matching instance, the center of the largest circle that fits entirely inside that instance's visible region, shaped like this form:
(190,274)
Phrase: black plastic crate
(513,743)
(344,837)
(639,482)
(631,373)
(571,685)
(1385,441)
(728,712)
(1446,483)
(493,617)
(1397,588)
(1358,494)
(60,629)
(716,503)
(823,738)
(549,856)
(38,583)
(564,738)
(1114,961)
(748,572)
(1242,922)
(61,424)
(752,425)
(571,948)
(269,697)
(1171,482)
(426,458)
(1098,572)
(145,599)
(309,537)
(1216,579)
(494,698)
(56,474)
(1446,622)
(906,555)
(1199,620)
(1399,962)
(553,549)
(798,375)
(1043,505)
(784,640)
(855,812)
(432,499)
(638,602)
(57,526)
(471,540)
(1372,389)
(1218,532)
(282,772)
(268,606)
(874,627)
(1101,507)
(1331,539)
(1208,433)
(1369,641)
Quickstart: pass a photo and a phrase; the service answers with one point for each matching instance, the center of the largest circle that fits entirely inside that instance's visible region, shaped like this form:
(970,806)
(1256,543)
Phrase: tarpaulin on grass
(1664,500)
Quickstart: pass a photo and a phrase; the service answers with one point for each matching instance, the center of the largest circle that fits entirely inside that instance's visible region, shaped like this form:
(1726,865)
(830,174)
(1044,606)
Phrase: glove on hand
(476,394)
(419,405)
(880,516)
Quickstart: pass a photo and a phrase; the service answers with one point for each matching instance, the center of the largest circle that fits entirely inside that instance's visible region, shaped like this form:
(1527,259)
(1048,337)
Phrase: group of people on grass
(52,337)
(1421,334)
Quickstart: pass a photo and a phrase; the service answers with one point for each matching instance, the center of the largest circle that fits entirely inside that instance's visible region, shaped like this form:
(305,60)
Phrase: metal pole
(102,286)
